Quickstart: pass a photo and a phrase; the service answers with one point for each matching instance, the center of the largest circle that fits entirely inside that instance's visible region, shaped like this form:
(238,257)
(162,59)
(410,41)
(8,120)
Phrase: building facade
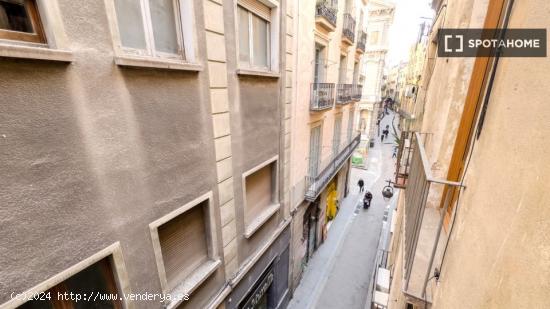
(145,152)
(413,89)
(323,137)
(471,225)
(380,17)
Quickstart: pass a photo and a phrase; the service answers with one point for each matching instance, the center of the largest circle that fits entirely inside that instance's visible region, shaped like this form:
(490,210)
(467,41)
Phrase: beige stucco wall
(446,90)
(93,152)
(302,118)
(500,238)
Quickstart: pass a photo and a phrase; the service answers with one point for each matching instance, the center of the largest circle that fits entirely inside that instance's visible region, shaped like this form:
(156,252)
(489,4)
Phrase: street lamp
(387,191)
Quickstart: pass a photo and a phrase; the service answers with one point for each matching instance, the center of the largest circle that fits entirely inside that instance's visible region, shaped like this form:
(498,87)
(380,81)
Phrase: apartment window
(319,69)
(20,21)
(150,28)
(350,124)
(96,279)
(343,70)
(337,134)
(254,23)
(314,150)
(183,243)
(260,186)
(355,72)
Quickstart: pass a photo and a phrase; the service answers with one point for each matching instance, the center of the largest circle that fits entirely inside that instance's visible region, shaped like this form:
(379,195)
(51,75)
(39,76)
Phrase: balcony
(325,14)
(426,204)
(361,43)
(348,29)
(344,94)
(404,154)
(322,96)
(357,92)
(316,184)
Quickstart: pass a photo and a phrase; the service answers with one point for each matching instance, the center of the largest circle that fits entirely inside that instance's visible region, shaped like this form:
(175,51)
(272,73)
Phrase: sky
(404,31)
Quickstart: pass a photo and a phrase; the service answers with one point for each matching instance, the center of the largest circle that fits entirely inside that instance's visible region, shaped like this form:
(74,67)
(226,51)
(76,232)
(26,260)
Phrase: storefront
(265,286)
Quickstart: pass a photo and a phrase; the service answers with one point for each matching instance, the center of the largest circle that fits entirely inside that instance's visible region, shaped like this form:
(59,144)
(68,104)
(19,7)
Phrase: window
(97,279)
(314,151)
(150,28)
(183,241)
(19,21)
(342,70)
(350,125)
(183,245)
(254,24)
(319,70)
(261,195)
(336,136)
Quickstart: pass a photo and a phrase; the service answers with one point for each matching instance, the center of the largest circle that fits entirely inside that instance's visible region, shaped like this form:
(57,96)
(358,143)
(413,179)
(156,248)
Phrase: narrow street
(339,274)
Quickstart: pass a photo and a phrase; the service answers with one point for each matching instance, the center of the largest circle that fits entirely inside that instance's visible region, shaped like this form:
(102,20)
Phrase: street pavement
(339,273)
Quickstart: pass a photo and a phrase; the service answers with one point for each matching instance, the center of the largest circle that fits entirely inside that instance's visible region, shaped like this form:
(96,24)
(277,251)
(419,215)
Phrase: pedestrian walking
(394,155)
(360,183)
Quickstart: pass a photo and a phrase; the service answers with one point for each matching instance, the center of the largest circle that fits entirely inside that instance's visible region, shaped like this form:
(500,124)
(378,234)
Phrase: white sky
(404,30)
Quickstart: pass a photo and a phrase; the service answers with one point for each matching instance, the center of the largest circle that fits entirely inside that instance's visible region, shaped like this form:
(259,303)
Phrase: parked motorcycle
(366,203)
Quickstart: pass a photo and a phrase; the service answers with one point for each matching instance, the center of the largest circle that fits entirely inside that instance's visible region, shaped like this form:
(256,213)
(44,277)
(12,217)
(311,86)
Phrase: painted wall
(92,153)
(500,236)
(302,118)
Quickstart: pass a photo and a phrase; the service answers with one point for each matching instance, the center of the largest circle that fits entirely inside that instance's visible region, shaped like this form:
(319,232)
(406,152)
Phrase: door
(314,149)
(312,236)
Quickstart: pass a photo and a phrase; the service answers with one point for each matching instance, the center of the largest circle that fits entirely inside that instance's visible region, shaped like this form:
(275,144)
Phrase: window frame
(247,68)
(250,64)
(185,28)
(266,214)
(119,273)
(319,150)
(201,273)
(37,37)
(337,134)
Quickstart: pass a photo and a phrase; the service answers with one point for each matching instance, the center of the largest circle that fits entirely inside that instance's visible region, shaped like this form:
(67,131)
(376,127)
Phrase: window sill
(262,73)
(129,61)
(260,220)
(35,53)
(193,281)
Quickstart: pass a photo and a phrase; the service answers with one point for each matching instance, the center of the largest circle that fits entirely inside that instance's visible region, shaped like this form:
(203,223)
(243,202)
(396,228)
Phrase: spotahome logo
(489,42)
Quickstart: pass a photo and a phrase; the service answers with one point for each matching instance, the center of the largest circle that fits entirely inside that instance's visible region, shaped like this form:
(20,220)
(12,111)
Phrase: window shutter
(257,8)
(183,244)
(259,193)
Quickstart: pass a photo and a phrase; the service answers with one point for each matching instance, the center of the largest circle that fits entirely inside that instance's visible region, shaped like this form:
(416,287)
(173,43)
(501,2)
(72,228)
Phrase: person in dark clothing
(360,183)
(382,138)
(367,199)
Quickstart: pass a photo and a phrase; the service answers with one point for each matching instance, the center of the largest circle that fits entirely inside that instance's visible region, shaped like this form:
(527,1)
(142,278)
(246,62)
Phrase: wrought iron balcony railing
(348,29)
(357,92)
(344,93)
(316,183)
(322,96)
(328,10)
(424,212)
(362,42)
